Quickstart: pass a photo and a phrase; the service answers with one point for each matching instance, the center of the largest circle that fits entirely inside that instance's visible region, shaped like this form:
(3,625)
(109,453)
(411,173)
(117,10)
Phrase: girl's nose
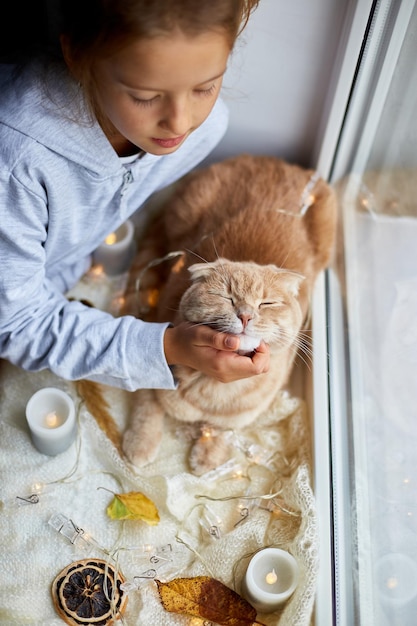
(177,117)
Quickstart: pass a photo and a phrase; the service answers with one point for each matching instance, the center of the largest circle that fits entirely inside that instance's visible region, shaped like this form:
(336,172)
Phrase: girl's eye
(142,102)
(206,92)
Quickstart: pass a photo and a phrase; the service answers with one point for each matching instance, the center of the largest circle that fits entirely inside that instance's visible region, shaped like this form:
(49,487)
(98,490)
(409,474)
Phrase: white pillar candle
(116,252)
(270,580)
(50,414)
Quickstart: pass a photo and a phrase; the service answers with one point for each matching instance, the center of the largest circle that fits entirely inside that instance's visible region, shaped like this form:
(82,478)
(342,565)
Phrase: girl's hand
(213,353)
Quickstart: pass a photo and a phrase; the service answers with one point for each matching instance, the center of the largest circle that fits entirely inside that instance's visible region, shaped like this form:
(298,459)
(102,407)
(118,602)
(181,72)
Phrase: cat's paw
(139,451)
(208,453)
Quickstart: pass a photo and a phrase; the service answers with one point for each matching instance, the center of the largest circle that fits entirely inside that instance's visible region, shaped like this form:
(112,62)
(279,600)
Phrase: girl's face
(155,92)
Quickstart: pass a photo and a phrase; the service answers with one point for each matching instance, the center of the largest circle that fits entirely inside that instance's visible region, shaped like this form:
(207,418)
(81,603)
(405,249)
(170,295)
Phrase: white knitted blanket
(273,458)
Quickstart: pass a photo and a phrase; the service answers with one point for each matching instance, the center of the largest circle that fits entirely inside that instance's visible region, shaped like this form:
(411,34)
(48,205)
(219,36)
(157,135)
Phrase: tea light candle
(396,579)
(116,252)
(50,414)
(270,580)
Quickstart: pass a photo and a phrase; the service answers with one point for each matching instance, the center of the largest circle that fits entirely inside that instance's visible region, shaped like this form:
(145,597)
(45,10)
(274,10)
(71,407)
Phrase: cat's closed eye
(275,303)
(223,296)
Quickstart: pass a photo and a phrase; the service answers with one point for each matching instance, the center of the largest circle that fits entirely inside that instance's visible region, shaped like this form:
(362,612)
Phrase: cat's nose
(245,318)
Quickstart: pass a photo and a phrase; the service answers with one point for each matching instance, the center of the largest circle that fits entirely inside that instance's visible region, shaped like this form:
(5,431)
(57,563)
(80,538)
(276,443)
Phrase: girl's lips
(168,143)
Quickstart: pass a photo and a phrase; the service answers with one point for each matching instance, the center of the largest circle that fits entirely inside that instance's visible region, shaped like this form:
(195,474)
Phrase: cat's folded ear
(201,270)
(292,280)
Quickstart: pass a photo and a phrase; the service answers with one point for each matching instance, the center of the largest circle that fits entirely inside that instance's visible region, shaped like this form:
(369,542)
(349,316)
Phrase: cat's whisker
(284,262)
(215,248)
(299,343)
(195,324)
(299,349)
(305,361)
(306,358)
(196,255)
(304,353)
(306,335)
(305,347)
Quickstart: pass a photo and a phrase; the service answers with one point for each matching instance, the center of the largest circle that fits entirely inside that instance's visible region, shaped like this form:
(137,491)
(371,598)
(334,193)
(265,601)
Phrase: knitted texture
(271,458)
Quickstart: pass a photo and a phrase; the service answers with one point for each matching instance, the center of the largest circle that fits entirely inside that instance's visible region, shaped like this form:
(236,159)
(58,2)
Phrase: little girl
(124,106)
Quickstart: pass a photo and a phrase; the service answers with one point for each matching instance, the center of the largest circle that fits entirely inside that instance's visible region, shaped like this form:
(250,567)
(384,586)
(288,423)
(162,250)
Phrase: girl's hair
(97,28)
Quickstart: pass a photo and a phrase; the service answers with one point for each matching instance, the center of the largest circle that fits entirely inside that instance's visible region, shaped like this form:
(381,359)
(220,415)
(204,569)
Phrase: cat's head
(253,301)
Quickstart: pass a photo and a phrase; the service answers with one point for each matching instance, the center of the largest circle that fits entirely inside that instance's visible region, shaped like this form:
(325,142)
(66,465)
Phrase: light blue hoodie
(62,190)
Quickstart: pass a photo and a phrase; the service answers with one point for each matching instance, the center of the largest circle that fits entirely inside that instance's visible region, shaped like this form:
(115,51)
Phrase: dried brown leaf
(93,396)
(207,598)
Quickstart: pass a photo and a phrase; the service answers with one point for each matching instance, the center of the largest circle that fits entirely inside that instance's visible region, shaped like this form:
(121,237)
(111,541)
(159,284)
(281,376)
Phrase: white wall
(278,78)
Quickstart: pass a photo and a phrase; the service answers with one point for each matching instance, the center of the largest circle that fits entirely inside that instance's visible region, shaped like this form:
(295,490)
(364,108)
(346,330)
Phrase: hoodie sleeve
(39,328)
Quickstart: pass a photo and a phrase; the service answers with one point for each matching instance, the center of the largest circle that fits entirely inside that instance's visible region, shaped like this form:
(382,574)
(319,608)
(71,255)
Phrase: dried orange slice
(88,592)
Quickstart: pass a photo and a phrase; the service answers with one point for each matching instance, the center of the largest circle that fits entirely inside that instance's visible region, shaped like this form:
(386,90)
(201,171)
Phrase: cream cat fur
(258,258)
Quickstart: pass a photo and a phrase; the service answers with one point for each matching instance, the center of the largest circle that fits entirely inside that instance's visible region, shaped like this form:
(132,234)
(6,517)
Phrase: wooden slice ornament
(88,592)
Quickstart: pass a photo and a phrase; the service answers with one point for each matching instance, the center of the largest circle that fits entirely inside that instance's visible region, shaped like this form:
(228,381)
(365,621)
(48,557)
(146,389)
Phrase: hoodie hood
(53,113)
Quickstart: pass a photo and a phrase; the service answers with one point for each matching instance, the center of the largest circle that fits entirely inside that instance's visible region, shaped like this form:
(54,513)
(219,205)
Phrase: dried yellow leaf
(207,598)
(135,506)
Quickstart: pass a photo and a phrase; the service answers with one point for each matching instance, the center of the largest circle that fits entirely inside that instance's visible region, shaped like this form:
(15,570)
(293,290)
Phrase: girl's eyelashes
(208,91)
(143,102)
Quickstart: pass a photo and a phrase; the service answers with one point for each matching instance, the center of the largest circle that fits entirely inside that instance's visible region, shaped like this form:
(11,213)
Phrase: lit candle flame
(392,582)
(52,420)
(96,271)
(271,577)
(111,239)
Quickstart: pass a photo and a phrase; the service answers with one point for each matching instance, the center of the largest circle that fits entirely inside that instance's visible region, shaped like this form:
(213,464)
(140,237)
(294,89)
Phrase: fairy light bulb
(207,433)
(177,267)
(37,487)
(271,578)
(153,297)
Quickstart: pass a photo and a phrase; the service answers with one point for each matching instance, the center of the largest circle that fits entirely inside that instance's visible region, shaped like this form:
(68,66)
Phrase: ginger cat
(253,233)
